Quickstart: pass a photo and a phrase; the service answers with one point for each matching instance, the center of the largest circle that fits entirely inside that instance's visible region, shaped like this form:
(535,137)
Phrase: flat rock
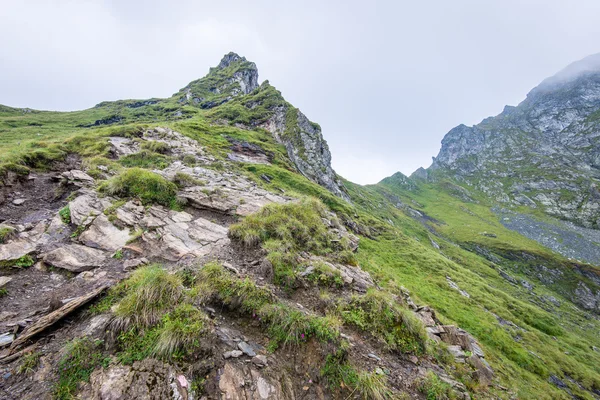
(75,258)
(18,202)
(103,234)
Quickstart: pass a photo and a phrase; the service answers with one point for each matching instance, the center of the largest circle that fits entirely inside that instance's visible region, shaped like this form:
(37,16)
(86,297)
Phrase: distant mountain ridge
(543,153)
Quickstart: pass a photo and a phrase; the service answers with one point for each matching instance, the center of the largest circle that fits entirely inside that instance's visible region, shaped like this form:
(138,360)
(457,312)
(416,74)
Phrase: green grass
(435,389)
(148,186)
(65,214)
(29,363)
(376,313)
(339,374)
(151,292)
(6,232)
(79,358)
(145,159)
(181,330)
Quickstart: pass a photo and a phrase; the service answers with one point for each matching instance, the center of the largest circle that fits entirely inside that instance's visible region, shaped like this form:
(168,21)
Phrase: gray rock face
(305,146)
(543,153)
(102,234)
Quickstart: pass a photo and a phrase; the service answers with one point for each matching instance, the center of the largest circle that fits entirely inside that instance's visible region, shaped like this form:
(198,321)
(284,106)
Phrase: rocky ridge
(102,239)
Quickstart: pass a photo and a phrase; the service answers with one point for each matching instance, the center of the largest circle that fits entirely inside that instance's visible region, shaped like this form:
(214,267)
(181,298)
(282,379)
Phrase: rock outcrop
(543,153)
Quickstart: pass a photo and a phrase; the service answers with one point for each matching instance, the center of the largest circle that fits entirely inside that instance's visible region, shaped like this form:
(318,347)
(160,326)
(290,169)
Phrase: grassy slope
(399,251)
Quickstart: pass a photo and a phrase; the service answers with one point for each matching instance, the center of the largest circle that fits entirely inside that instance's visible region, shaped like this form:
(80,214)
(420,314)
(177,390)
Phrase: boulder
(75,258)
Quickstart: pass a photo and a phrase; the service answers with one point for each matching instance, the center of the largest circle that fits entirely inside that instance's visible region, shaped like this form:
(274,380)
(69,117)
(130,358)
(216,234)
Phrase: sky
(386,80)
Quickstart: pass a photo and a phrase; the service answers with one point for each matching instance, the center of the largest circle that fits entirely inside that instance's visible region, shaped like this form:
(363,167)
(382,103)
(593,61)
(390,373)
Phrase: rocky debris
(23,243)
(246,349)
(260,361)
(6,339)
(18,202)
(247,152)
(507,277)
(75,258)
(147,379)
(229,200)
(585,297)
(176,240)
(233,354)
(454,286)
(352,276)
(462,345)
(86,206)
(563,237)
(178,144)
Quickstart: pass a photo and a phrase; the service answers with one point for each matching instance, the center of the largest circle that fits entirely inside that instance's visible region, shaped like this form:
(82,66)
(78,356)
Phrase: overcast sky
(385,79)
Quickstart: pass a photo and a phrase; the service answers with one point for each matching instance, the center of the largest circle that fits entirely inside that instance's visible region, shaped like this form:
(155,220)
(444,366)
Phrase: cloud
(385,79)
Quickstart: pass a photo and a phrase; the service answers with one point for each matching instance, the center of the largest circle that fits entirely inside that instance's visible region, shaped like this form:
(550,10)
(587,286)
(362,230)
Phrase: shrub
(181,179)
(298,224)
(147,186)
(292,327)
(28,363)
(339,373)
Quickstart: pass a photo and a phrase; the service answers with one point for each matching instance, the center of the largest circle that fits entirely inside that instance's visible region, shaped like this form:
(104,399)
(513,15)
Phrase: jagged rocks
(148,379)
(75,258)
(78,178)
(305,147)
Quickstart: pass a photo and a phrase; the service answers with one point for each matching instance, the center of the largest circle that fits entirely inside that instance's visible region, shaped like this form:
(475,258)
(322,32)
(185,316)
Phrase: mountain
(544,153)
(201,247)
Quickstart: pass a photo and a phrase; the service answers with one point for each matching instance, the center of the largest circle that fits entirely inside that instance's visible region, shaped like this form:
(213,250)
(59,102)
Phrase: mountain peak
(229,59)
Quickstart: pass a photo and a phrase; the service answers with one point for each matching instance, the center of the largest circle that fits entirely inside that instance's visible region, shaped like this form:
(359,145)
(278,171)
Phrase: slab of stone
(75,258)
(102,234)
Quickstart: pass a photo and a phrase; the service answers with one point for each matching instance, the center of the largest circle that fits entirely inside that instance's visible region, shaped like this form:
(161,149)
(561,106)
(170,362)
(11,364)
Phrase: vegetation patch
(148,186)
(6,232)
(80,357)
(285,230)
(145,159)
(65,214)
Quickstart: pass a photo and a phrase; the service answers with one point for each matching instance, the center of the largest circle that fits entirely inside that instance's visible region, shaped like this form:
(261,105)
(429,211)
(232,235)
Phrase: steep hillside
(202,246)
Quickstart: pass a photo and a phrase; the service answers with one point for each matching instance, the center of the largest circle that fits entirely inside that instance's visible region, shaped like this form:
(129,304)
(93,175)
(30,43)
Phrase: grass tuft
(151,291)
(147,186)
(182,330)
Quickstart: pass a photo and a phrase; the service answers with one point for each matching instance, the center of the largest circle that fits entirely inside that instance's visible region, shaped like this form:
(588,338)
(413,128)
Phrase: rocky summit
(202,247)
